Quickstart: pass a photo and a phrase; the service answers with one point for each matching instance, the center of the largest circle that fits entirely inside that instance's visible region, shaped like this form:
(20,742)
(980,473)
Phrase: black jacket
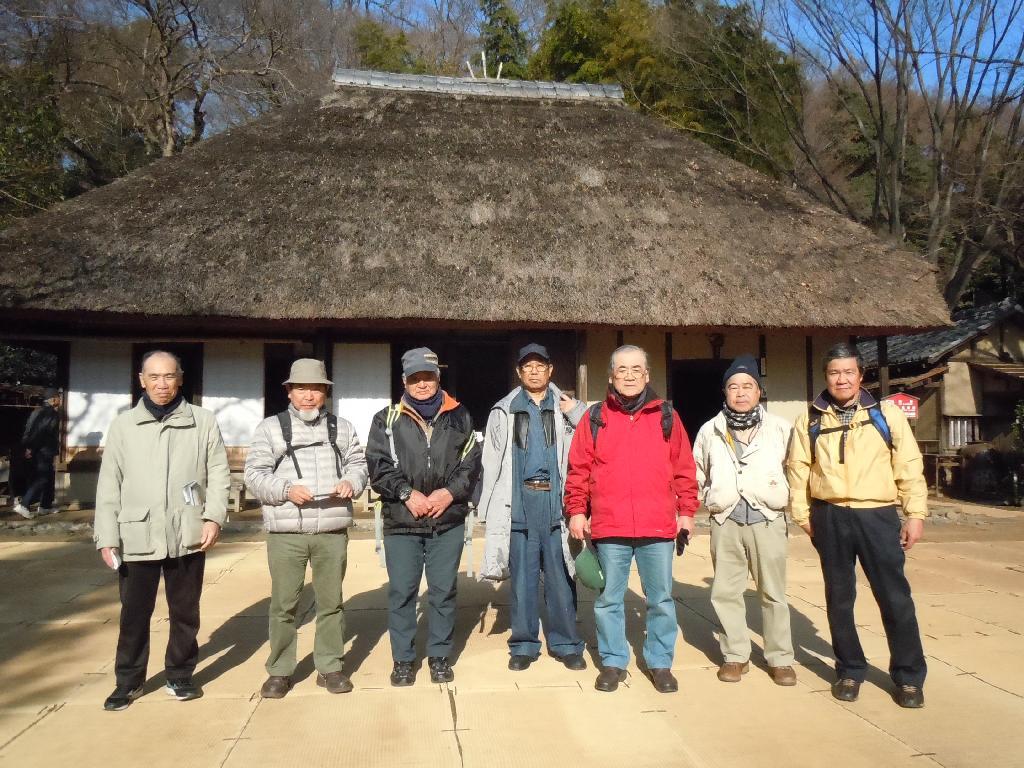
(42,430)
(450,460)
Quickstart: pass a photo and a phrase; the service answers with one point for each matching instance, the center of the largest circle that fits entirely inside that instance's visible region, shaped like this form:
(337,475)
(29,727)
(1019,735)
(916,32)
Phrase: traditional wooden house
(468,215)
(969,377)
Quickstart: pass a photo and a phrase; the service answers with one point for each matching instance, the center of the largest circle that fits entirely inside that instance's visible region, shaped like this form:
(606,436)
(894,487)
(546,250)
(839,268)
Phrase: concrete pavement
(58,623)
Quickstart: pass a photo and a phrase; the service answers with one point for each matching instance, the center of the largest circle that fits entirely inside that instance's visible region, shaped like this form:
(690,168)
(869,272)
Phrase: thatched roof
(398,204)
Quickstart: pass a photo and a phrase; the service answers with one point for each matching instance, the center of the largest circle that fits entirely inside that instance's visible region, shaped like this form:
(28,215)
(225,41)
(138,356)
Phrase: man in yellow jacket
(853,465)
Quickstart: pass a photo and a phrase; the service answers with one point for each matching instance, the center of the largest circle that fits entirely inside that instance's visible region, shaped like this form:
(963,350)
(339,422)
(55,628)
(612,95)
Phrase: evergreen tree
(503,39)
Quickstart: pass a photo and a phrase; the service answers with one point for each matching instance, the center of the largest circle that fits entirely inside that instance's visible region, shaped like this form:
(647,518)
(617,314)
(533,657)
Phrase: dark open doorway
(697,391)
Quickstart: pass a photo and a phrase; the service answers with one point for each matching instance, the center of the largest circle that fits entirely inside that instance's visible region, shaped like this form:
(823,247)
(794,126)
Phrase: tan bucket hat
(308,371)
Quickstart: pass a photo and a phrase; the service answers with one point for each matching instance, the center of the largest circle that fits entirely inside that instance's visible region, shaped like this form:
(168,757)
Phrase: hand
(28,453)
(299,495)
(579,527)
(439,501)
(911,532)
(418,504)
(344,490)
(684,522)
(566,403)
(211,532)
(107,553)
(806,525)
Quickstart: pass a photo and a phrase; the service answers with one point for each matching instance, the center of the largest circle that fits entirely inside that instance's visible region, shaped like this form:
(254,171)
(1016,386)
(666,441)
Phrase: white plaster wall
(233,387)
(786,382)
(99,388)
(362,383)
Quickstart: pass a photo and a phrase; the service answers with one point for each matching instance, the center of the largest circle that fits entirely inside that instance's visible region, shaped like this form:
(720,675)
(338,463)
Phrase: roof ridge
(517,89)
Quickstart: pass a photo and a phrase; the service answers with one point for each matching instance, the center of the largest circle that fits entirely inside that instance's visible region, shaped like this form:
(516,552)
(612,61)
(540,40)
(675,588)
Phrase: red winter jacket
(637,481)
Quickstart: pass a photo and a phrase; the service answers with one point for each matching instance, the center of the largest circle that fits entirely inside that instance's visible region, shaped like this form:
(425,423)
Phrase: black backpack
(289,450)
(596,423)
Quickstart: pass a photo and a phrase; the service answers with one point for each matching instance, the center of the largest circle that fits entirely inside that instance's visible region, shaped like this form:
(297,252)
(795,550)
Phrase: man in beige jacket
(853,466)
(160,503)
(740,456)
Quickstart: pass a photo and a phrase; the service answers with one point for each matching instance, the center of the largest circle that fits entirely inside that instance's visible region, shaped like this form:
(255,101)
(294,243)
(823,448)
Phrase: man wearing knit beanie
(740,455)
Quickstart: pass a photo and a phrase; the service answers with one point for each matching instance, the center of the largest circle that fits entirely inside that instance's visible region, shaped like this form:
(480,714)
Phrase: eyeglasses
(535,367)
(622,372)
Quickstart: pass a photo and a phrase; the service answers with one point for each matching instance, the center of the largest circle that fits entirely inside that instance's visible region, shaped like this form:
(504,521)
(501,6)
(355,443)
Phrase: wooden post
(883,365)
(809,355)
(323,348)
(668,366)
(581,366)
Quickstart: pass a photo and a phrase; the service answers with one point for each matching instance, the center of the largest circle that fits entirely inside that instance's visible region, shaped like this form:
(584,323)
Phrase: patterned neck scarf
(741,421)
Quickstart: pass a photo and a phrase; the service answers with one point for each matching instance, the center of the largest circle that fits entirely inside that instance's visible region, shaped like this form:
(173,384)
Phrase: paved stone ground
(58,614)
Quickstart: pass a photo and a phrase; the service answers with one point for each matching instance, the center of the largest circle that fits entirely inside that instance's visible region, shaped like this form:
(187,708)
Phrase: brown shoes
(276,687)
(334,682)
(733,671)
(782,675)
(664,681)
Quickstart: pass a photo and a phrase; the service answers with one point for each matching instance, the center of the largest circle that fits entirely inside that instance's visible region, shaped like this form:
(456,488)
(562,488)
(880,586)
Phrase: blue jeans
(532,553)
(654,562)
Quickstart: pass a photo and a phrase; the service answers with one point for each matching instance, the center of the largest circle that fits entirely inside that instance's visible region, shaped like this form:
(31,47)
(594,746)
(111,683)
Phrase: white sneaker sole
(174,694)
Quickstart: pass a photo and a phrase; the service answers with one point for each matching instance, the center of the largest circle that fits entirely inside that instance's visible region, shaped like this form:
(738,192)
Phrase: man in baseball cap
(526,449)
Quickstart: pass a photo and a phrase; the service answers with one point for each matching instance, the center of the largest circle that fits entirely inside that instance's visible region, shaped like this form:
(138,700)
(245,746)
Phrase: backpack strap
(285,420)
(813,428)
(332,438)
(594,413)
(596,422)
(394,411)
(879,422)
(666,419)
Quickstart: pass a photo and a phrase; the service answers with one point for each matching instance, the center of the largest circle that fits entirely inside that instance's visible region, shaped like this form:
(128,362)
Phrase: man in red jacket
(632,486)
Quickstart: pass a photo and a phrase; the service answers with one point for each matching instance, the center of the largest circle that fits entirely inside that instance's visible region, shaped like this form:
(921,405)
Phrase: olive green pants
(288,554)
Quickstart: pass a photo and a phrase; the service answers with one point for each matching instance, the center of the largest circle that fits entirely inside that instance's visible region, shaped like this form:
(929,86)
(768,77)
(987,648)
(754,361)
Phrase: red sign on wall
(907,403)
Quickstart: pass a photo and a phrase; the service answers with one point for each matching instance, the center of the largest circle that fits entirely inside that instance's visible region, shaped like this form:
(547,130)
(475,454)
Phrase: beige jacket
(759,477)
(140,504)
(867,474)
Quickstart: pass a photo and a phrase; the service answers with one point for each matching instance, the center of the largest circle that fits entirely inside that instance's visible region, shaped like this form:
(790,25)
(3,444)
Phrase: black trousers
(41,486)
(183,584)
(843,535)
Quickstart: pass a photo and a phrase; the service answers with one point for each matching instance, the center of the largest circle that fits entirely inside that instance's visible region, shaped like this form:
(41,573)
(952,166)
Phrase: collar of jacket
(180,416)
(448,403)
(823,402)
(505,404)
(654,404)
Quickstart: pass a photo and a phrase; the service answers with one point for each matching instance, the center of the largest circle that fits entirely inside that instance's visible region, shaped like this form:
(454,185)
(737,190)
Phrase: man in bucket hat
(305,465)
(525,459)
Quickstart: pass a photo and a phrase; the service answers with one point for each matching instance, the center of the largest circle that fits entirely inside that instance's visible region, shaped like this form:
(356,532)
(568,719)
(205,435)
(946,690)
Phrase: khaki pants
(287,555)
(760,550)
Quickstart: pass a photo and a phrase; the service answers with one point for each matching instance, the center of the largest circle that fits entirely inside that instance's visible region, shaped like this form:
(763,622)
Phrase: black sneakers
(440,670)
(403,674)
(846,689)
(183,690)
(910,697)
(121,698)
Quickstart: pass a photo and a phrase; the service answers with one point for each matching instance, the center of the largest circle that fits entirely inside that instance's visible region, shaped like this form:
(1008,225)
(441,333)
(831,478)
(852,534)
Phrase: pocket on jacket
(133,527)
(191,526)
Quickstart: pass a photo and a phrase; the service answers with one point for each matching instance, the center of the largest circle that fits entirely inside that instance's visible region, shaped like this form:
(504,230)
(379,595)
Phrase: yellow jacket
(870,475)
